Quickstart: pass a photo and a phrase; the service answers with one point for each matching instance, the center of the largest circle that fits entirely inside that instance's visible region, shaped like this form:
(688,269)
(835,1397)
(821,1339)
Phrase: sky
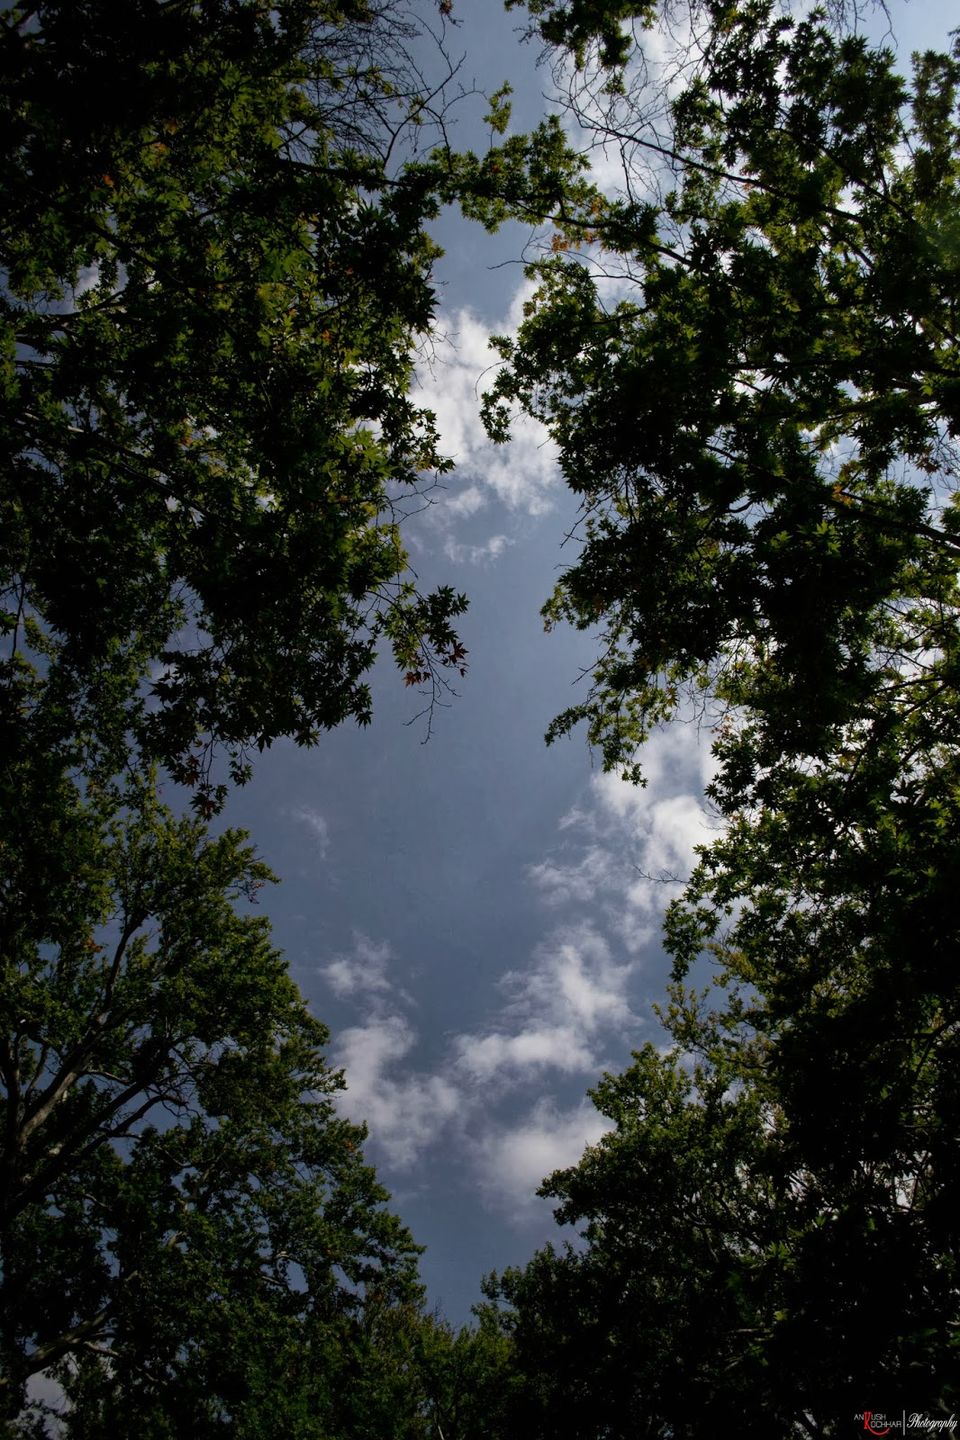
(474,915)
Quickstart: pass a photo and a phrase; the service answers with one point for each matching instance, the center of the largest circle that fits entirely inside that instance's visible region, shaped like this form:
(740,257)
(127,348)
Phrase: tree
(215,276)
(762,429)
(214,281)
(770,1229)
(190,1239)
(467,1377)
(723,1281)
(771,1234)
(762,425)
(653,1327)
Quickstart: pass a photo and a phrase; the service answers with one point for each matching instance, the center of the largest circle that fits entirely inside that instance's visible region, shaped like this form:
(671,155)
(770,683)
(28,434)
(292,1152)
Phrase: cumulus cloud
(555,1010)
(501,1056)
(565,1013)
(520,475)
(361,970)
(465,502)
(517,1158)
(406,1112)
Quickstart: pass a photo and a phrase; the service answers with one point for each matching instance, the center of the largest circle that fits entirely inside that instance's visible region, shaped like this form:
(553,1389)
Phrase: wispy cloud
(556,1016)
(476,554)
(626,845)
(571,995)
(575,980)
(567,1013)
(660,65)
(407,1110)
(593,873)
(317,826)
(465,502)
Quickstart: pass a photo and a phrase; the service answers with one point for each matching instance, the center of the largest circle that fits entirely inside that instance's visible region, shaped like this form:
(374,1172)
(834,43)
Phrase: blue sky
(473,917)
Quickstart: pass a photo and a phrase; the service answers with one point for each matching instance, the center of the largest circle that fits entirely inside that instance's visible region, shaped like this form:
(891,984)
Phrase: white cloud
(503,1056)
(361,971)
(676,758)
(514,1161)
(554,1015)
(672,829)
(46,1394)
(316,824)
(522,474)
(465,502)
(566,1013)
(579,881)
(575,981)
(406,1110)
(475,554)
(87,279)
(657,71)
(405,1113)
(625,848)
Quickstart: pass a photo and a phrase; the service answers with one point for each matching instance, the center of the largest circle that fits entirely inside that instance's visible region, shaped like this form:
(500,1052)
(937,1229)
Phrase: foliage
(577,25)
(191,1241)
(748,360)
(761,421)
(467,1377)
(215,276)
(771,1233)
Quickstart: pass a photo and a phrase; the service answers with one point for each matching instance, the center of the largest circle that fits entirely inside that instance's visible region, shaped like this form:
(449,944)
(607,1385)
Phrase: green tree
(215,277)
(652,1327)
(723,1284)
(190,1240)
(467,1377)
(762,425)
(762,429)
(770,1227)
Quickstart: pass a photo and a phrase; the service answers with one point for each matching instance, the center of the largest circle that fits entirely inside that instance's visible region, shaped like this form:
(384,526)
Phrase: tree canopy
(770,1226)
(753,383)
(215,277)
(748,360)
(190,1240)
